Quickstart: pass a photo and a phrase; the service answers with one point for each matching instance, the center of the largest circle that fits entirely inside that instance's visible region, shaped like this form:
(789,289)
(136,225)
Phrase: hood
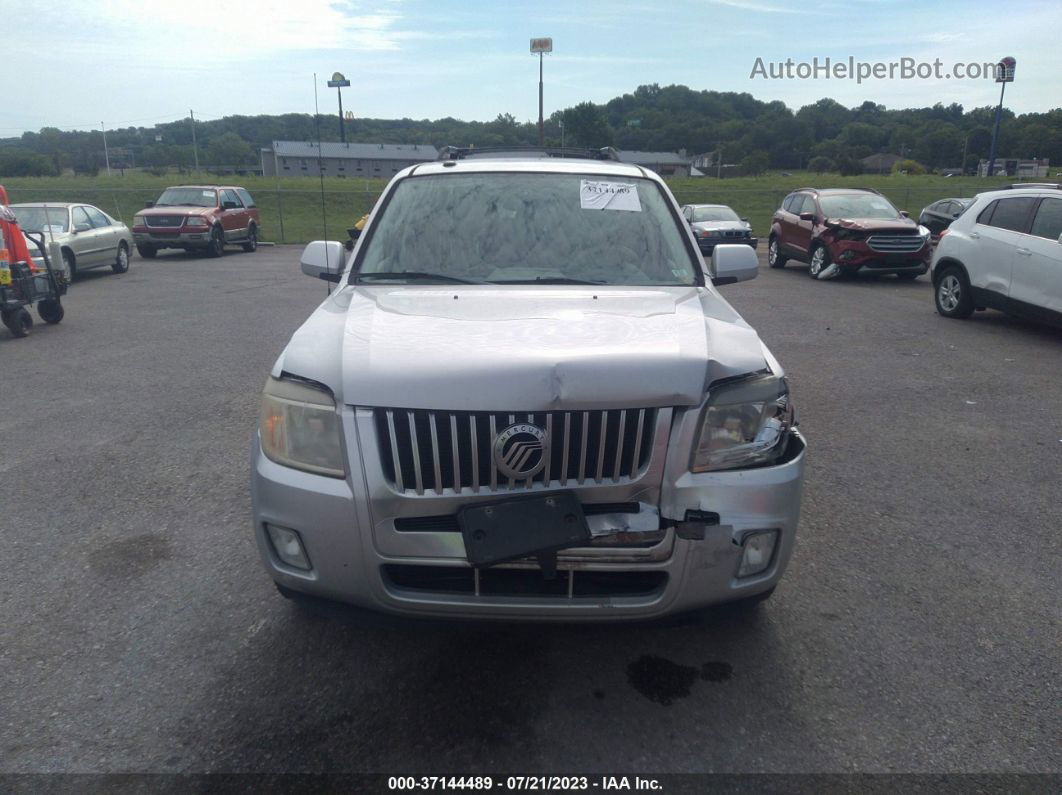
(522,349)
(873,224)
(177,209)
(740,225)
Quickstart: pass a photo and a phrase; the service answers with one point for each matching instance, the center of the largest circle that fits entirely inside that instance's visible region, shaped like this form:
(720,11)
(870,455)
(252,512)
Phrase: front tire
(775,258)
(217,243)
(147,252)
(19,322)
(50,310)
(821,266)
(121,262)
(952,293)
(69,265)
(251,244)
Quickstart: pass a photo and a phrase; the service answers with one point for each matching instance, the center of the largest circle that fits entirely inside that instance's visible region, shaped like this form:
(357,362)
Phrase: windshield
(714,214)
(505,227)
(857,205)
(42,219)
(188,197)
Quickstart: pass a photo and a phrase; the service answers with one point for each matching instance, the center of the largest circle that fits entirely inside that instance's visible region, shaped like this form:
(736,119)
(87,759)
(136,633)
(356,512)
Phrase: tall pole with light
(106,153)
(338,82)
(540,47)
(1004,75)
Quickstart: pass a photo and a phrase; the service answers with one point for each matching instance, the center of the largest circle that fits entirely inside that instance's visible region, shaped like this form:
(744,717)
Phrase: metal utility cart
(22,283)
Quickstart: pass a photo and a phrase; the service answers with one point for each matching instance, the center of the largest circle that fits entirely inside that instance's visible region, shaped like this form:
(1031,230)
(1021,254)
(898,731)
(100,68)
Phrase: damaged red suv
(843,231)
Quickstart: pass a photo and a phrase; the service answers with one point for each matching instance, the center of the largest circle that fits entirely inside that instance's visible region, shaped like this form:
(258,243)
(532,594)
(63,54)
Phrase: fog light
(288,546)
(846,255)
(758,551)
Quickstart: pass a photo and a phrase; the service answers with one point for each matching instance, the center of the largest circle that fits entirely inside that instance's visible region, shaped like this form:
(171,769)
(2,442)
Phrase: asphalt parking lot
(917,629)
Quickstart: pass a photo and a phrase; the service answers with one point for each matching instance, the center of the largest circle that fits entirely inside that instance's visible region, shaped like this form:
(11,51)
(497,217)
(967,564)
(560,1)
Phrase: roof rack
(1032,185)
(463,152)
(820,190)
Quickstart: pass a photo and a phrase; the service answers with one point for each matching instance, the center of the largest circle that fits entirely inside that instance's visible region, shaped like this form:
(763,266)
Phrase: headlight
(196,220)
(745,424)
(139,220)
(299,428)
(924,232)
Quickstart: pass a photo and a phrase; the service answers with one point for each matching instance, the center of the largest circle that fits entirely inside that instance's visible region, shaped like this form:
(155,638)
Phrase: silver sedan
(88,237)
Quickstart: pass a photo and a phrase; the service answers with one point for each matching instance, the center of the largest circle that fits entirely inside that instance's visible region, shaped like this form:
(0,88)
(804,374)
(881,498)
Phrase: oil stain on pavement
(663,681)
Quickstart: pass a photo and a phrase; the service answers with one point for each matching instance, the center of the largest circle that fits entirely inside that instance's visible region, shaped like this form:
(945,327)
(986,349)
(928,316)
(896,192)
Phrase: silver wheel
(949,293)
(818,259)
(121,262)
(772,253)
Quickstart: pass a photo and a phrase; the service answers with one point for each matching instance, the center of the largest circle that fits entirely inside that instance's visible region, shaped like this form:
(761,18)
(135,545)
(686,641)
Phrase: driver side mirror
(229,205)
(82,227)
(148,205)
(905,214)
(323,259)
(733,262)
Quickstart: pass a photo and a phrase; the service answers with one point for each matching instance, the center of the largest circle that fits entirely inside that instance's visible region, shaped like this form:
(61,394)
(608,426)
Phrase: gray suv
(526,399)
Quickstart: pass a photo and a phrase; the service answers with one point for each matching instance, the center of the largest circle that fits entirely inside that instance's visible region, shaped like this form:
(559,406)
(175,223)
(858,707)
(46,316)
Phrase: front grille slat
(396,466)
(620,431)
(895,244)
(452,451)
(416,454)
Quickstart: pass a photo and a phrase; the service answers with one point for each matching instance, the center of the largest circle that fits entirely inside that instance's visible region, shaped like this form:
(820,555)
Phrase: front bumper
(707,245)
(360,556)
(855,256)
(199,238)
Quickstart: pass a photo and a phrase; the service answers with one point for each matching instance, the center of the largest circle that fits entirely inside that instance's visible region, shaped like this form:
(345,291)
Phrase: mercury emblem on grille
(520,450)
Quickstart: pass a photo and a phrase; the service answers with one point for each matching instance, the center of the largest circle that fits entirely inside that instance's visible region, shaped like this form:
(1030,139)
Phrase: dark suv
(845,230)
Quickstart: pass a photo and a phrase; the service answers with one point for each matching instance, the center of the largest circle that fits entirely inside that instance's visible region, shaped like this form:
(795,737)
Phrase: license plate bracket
(495,532)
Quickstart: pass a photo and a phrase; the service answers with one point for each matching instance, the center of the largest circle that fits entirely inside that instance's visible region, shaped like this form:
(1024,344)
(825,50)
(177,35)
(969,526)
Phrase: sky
(74,64)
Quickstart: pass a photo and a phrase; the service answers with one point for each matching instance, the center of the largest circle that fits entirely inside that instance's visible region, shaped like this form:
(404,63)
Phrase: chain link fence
(300,215)
(285,216)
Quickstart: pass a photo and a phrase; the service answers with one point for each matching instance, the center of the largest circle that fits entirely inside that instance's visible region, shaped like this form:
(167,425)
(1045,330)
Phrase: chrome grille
(438,451)
(165,221)
(895,244)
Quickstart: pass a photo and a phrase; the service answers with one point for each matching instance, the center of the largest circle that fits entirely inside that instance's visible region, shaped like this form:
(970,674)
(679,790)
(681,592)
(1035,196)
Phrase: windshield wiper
(419,276)
(546,280)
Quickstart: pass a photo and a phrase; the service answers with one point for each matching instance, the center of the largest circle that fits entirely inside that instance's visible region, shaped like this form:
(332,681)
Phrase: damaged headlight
(745,424)
(299,428)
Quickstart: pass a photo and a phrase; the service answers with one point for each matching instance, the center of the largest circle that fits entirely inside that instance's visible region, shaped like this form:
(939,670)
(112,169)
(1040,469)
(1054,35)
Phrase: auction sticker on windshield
(596,195)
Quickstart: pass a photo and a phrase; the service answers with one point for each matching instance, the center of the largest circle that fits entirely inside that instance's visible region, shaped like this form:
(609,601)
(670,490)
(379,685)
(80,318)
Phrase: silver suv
(526,399)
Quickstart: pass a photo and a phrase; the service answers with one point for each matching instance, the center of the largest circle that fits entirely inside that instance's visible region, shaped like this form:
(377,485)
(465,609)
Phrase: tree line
(729,127)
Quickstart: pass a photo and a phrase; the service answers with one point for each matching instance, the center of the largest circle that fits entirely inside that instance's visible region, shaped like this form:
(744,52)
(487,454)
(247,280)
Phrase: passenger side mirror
(807,216)
(354,233)
(905,214)
(229,205)
(82,227)
(733,263)
(746,220)
(149,204)
(323,259)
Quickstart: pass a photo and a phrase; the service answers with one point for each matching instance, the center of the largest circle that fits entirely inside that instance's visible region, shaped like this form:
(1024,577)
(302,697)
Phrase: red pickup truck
(202,218)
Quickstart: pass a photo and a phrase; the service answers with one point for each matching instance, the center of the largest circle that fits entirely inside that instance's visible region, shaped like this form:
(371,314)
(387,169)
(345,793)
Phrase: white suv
(1004,252)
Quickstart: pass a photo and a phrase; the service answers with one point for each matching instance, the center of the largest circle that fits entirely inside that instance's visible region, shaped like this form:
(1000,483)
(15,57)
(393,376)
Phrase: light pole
(561,123)
(338,82)
(106,154)
(540,47)
(1004,75)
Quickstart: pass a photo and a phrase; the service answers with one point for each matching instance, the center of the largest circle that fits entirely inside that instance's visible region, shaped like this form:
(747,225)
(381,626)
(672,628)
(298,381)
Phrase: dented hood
(522,348)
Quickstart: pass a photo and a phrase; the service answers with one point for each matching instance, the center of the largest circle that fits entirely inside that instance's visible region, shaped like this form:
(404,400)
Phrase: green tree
(585,125)
(908,166)
(229,150)
(821,165)
(754,164)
